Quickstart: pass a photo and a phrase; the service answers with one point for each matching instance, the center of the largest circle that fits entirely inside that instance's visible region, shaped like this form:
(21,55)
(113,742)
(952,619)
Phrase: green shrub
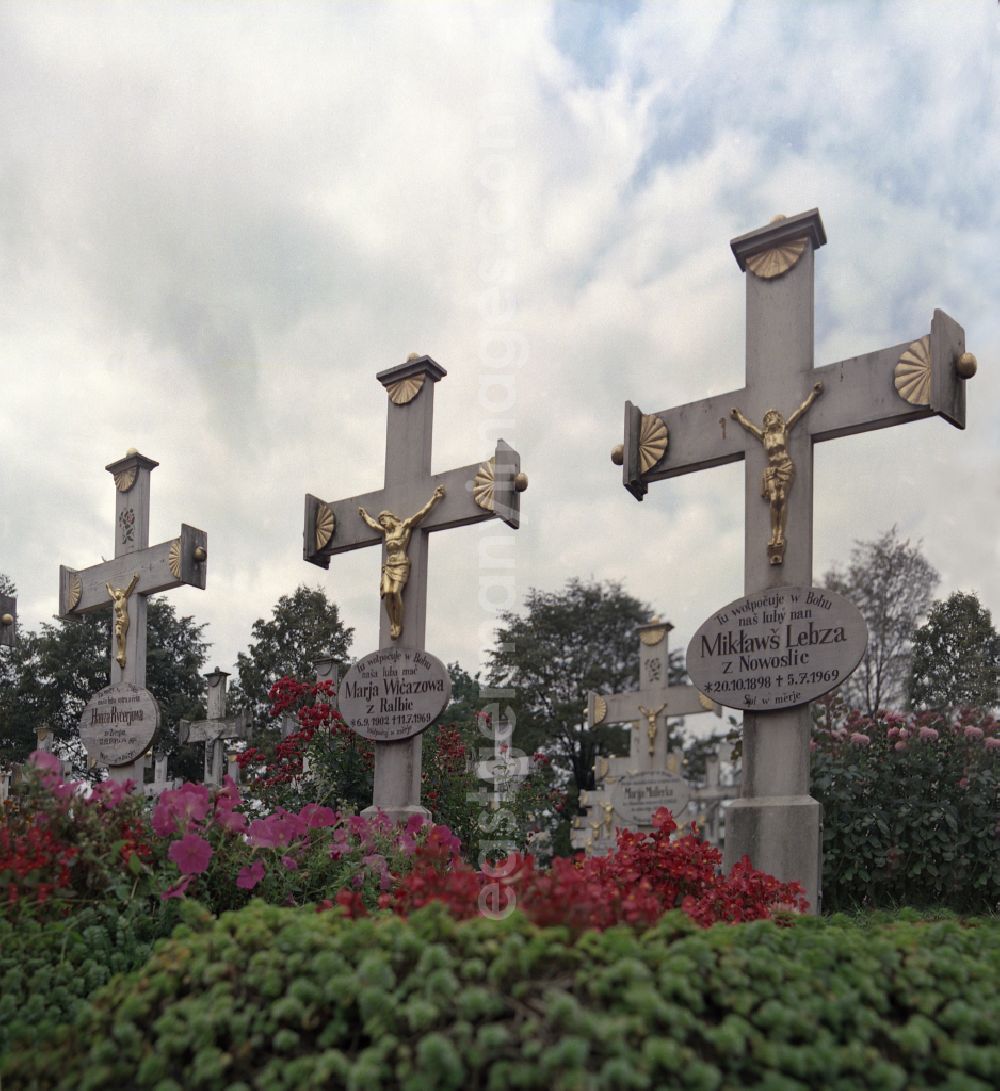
(275,998)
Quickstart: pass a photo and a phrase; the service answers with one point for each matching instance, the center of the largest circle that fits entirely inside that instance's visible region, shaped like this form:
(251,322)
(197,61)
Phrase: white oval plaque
(637,796)
(777,649)
(119,724)
(394,693)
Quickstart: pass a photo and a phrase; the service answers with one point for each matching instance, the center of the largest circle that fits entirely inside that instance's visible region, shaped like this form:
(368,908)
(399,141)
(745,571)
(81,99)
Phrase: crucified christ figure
(120,597)
(779,474)
(396,566)
(651,714)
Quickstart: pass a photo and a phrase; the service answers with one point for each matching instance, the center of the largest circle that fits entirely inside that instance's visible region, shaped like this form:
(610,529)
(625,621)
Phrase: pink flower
(993,743)
(414,823)
(291,864)
(929,733)
(234,821)
(276,831)
(45,762)
(248,877)
(178,890)
(191,854)
(178,808)
(900,745)
(314,816)
(973,732)
(893,732)
(109,793)
(357,825)
(964,782)
(903,733)
(860,740)
(228,796)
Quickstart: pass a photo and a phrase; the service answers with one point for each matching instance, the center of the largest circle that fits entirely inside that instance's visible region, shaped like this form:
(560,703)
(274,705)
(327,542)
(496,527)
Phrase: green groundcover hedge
(287,998)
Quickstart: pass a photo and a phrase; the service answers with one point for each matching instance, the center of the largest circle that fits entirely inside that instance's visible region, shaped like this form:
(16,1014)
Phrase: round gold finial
(413,356)
(130,452)
(6,619)
(966,365)
(777,219)
(520,482)
(200,554)
(618,454)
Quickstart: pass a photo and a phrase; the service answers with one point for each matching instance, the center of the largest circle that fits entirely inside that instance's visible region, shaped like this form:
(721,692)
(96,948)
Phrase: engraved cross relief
(455,498)
(642,707)
(137,571)
(921,377)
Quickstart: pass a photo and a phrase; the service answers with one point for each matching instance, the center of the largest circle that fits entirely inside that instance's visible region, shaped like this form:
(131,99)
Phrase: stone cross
(8,620)
(648,707)
(137,571)
(713,793)
(217,729)
(777,822)
(160,780)
(505,766)
(451,499)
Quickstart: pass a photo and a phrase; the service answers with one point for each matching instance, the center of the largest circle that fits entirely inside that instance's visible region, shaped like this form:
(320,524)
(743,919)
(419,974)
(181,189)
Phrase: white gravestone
(217,729)
(394,694)
(119,724)
(779,649)
(454,498)
(777,822)
(124,584)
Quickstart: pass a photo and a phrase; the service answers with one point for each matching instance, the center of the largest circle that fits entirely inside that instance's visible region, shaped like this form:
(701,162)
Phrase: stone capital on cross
(412,504)
(137,571)
(648,707)
(777,822)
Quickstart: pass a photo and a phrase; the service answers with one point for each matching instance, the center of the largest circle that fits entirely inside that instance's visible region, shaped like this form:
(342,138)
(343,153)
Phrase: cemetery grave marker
(777,822)
(504,767)
(435,502)
(137,571)
(217,729)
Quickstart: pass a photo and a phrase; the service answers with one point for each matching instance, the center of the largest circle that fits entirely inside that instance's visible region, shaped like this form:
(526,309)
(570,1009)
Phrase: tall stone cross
(412,504)
(648,707)
(216,729)
(772,422)
(8,620)
(125,583)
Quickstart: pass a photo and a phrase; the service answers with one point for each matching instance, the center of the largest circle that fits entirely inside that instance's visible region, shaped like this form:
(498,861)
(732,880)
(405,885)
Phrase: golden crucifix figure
(651,715)
(779,474)
(396,566)
(120,597)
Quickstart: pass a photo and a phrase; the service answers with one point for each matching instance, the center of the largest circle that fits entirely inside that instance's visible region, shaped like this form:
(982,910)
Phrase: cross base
(397,814)
(782,836)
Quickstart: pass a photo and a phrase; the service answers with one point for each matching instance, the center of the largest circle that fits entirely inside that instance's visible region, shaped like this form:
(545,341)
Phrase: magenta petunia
(290,863)
(46,762)
(249,876)
(316,816)
(414,823)
(191,854)
(234,821)
(178,890)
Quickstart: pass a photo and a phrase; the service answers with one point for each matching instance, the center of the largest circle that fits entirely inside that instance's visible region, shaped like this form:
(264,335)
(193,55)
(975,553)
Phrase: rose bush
(910,808)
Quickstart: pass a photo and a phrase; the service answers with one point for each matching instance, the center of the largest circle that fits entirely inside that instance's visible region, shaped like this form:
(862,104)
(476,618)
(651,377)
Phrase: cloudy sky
(218,222)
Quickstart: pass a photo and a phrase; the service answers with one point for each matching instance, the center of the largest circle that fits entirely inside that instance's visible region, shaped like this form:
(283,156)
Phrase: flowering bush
(910,808)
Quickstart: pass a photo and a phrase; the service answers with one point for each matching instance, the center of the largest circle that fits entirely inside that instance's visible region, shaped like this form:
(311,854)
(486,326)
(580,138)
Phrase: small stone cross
(137,571)
(777,822)
(412,504)
(217,729)
(649,746)
(505,766)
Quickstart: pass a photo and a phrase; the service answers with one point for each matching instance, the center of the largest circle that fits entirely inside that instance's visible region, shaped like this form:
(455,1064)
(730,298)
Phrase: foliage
(956,657)
(271,998)
(544,663)
(304,627)
(891,583)
(55,672)
(910,808)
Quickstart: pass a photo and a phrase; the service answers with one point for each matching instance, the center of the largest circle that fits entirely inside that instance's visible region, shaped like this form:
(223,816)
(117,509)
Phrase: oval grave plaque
(119,724)
(637,796)
(777,649)
(394,693)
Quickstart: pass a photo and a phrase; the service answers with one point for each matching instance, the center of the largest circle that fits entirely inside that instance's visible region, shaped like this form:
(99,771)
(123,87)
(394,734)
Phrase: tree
(7,585)
(56,671)
(956,657)
(304,627)
(545,662)
(891,583)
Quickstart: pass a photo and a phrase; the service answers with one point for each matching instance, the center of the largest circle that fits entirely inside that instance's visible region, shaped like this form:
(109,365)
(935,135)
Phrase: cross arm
(160,568)
(620,708)
(908,381)
(233,727)
(481,490)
